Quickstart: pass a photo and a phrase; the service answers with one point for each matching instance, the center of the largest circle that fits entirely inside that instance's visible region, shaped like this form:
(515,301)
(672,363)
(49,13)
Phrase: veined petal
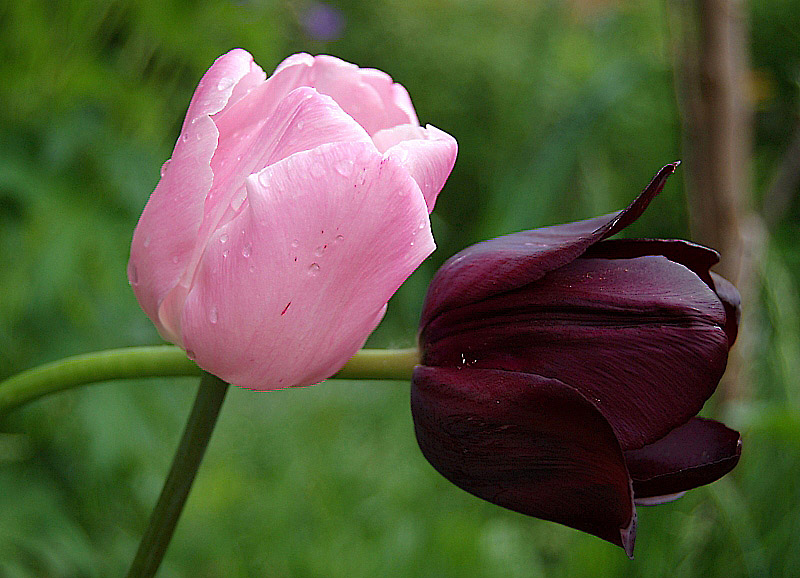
(427,153)
(641,338)
(509,262)
(166,234)
(527,443)
(291,287)
(303,120)
(694,454)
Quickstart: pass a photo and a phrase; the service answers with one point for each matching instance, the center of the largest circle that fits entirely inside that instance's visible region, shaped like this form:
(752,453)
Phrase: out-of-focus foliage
(563,110)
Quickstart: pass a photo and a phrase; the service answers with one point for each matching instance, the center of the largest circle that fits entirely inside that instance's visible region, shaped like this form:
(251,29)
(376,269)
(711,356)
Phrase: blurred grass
(563,110)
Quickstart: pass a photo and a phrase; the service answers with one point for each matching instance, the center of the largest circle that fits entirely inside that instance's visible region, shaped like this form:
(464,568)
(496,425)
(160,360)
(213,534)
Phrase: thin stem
(168,361)
(196,436)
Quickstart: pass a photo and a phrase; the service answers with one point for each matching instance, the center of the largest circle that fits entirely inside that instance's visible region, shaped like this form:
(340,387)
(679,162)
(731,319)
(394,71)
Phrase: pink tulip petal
(292,286)
(428,154)
(642,338)
(394,95)
(508,262)
(303,120)
(697,453)
(166,234)
(370,99)
(527,443)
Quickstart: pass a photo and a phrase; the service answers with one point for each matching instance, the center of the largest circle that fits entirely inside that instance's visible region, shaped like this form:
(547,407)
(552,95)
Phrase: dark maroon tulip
(562,372)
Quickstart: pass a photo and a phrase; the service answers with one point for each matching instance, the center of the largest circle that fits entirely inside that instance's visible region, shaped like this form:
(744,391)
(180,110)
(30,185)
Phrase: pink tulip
(292,208)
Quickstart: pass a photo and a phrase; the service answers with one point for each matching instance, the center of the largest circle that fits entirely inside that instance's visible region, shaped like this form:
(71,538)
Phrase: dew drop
(339,238)
(194,120)
(225,83)
(295,244)
(185,137)
(320,250)
(344,167)
(213,316)
(246,250)
(175,259)
(225,254)
(147,241)
(412,243)
(134,275)
(300,125)
(223,238)
(252,269)
(421,226)
(190,354)
(164,166)
(313,269)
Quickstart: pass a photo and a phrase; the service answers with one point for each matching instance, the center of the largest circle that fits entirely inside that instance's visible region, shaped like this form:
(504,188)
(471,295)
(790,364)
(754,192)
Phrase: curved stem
(194,442)
(168,361)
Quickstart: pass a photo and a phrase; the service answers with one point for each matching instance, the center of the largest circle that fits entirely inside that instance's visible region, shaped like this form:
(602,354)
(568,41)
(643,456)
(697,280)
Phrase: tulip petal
(166,234)
(291,287)
(697,453)
(427,153)
(696,257)
(303,120)
(527,443)
(732,301)
(642,338)
(371,99)
(511,261)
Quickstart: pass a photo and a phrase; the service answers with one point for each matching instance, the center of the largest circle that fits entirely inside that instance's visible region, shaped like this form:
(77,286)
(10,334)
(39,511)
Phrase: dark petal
(697,453)
(509,262)
(641,338)
(732,301)
(527,443)
(696,257)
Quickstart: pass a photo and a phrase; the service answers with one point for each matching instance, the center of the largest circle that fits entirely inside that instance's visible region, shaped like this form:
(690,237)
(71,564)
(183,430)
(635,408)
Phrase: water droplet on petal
(223,238)
(164,166)
(412,243)
(190,354)
(320,250)
(313,269)
(225,83)
(421,226)
(246,250)
(295,244)
(194,120)
(265,177)
(213,316)
(134,275)
(175,259)
(225,254)
(339,238)
(300,125)
(147,241)
(252,268)
(344,167)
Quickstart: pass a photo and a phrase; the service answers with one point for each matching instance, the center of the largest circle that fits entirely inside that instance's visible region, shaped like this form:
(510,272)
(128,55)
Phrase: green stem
(194,442)
(168,361)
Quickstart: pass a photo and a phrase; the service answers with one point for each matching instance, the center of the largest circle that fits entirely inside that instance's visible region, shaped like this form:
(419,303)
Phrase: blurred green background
(563,110)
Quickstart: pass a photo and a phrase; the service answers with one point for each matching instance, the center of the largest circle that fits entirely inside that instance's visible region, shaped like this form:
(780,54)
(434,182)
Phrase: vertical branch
(711,68)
